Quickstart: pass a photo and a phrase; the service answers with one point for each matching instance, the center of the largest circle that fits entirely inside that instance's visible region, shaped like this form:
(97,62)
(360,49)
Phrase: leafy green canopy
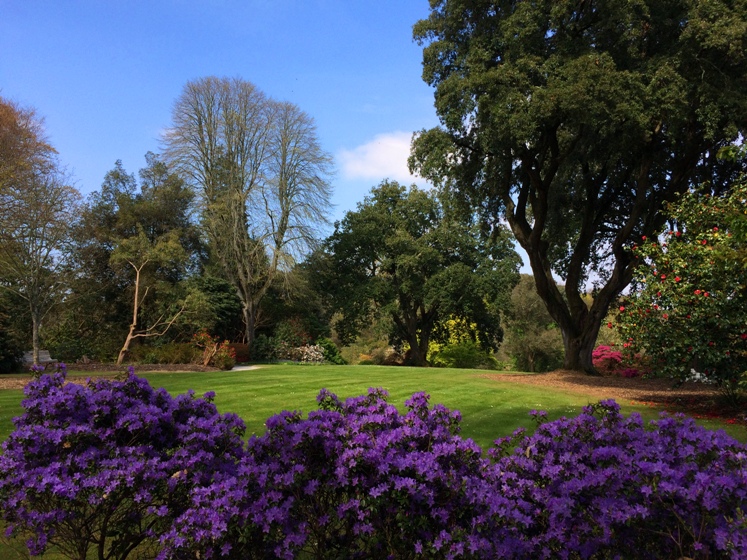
(398,256)
(576,121)
(690,308)
(122,219)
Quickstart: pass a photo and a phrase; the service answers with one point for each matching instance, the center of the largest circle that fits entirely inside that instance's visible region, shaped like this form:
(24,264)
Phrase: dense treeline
(571,127)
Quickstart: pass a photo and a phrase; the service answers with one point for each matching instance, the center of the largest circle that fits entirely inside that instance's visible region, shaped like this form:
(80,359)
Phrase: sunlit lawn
(489,409)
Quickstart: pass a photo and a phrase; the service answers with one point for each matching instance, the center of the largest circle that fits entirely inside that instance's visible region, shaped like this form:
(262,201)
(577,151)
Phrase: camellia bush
(690,309)
(106,467)
(117,469)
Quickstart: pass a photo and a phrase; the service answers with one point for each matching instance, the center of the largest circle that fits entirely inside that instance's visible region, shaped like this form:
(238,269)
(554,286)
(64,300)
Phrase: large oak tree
(575,121)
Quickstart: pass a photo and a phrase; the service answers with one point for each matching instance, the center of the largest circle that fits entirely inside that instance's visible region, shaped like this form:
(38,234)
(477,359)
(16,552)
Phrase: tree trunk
(133,324)
(418,353)
(126,347)
(415,357)
(249,311)
(578,350)
(35,322)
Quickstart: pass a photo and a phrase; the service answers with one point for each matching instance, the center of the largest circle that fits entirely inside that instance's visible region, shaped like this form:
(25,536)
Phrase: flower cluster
(609,361)
(119,464)
(358,480)
(353,480)
(109,464)
(308,353)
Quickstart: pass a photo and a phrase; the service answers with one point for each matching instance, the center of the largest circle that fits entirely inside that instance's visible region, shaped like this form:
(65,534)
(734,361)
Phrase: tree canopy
(576,122)
(398,256)
(117,219)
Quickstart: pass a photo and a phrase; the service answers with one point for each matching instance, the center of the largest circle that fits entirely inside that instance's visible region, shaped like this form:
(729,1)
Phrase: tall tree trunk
(126,347)
(578,350)
(418,354)
(35,323)
(415,356)
(249,311)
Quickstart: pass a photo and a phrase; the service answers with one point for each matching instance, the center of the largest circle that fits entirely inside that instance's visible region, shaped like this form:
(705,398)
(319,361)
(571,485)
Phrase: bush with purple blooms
(120,465)
(354,480)
(605,486)
(108,466)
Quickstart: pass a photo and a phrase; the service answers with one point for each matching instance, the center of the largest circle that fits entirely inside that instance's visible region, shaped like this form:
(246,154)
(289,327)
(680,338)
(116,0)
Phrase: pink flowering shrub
(609,361)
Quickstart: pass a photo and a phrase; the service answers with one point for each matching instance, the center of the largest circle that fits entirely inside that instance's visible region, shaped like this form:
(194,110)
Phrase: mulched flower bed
(695,399)
(18,382)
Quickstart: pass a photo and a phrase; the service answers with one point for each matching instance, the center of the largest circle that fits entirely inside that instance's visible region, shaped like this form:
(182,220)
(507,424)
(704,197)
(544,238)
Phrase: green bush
(264,349)
(466,354)
(11,354)
(170,353)
(533,340)
(225,357)
(331,352)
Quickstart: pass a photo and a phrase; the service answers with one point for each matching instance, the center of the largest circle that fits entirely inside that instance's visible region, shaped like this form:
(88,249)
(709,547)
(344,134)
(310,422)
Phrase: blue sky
(104,75)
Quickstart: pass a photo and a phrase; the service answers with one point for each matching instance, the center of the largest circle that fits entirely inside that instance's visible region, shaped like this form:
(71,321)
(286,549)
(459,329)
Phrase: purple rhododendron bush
(108,466)
(129,471)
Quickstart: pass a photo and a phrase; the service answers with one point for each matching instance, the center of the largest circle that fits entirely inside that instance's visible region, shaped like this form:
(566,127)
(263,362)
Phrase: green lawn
(489,410)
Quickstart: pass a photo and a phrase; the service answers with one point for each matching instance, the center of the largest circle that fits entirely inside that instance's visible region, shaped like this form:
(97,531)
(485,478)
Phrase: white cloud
(384,157)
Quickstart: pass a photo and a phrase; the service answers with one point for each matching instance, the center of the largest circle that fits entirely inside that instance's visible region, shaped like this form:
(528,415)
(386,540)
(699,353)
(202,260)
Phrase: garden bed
(19,382)
(696,399)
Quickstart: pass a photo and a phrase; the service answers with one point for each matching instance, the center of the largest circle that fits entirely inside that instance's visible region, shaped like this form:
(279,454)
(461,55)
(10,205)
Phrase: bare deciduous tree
(262,175)
(37,209)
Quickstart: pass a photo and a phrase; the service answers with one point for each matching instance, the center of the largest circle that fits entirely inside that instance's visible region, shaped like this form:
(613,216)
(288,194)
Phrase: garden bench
(44,358)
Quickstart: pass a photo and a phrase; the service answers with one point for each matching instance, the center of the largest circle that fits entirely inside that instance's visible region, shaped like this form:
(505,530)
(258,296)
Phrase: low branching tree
(575,122)
(141,255)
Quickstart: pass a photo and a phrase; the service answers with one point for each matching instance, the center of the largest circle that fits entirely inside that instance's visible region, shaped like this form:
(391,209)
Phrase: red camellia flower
(697,292)
(704,242)
(622,308)
(658,294)
(679,233)
(677,278)
(609,325)
(705,294)
(715,229)
(663,276)
(643,237)
(666,316)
